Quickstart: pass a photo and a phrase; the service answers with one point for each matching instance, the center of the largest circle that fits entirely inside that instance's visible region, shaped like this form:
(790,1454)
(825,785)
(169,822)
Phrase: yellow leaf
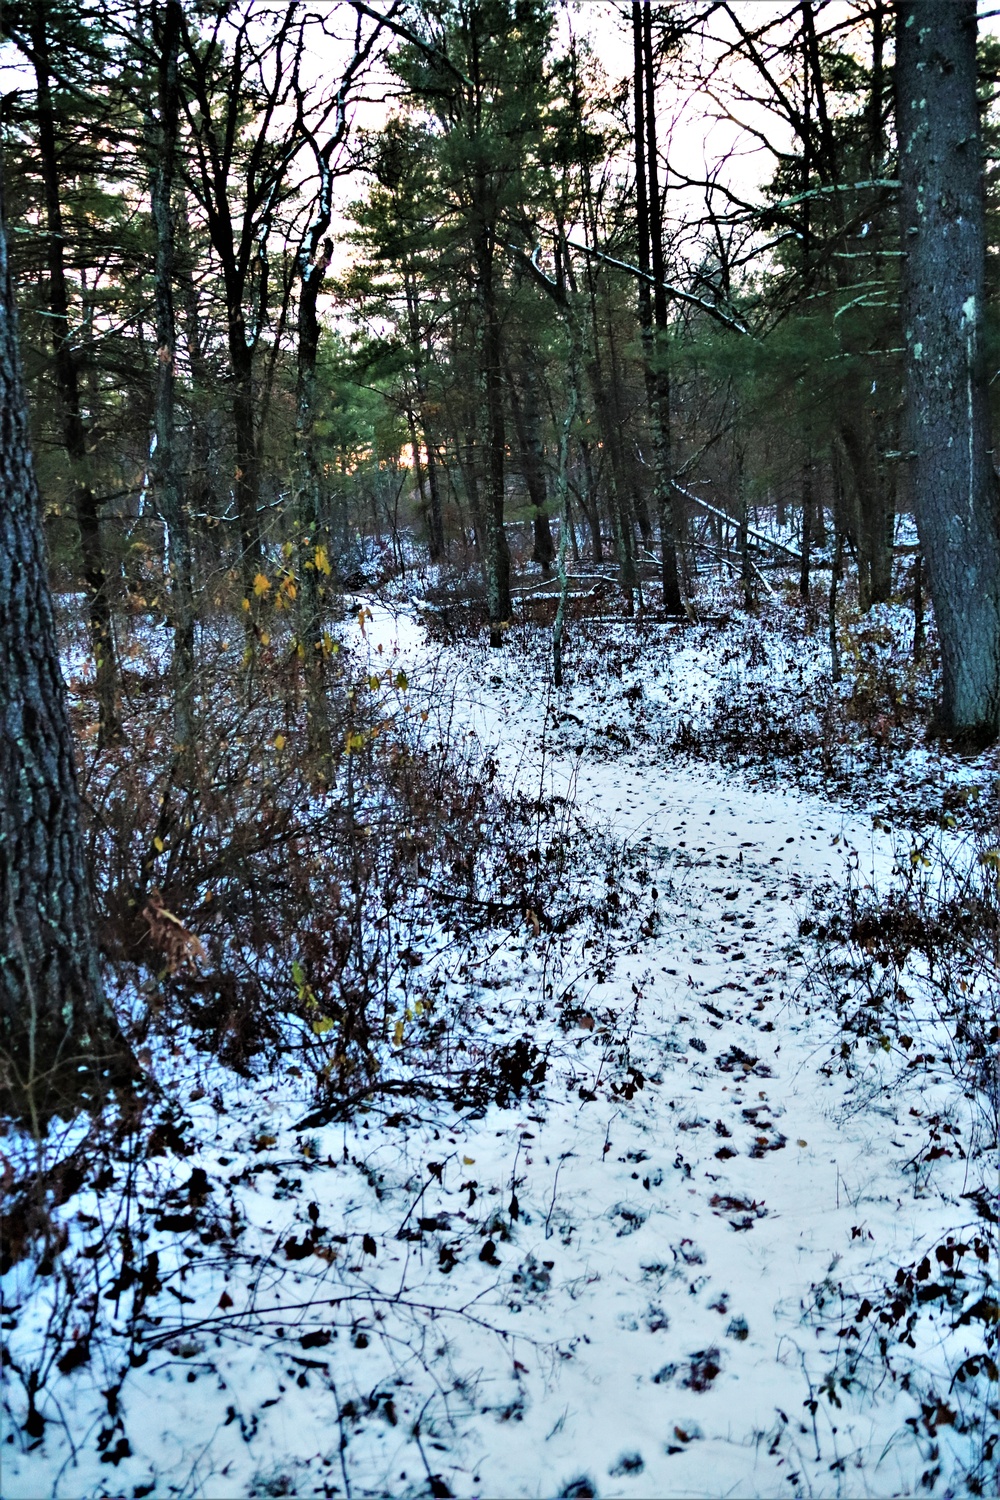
(159,845)
(246,605)
(265,639)
(286,549)
(261,585)
(279,742)
(321,561)
(322,1025)
(374,683)
(469,1161)
(801,1143)
(397,1034)
(289,587)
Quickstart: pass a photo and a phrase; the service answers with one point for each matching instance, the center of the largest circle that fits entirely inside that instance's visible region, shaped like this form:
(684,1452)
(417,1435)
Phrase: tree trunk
(58,1035)
(588,503)
(562,484)
(497,552)
(245,442)
(316,563)
(746,574)
(807,522)
(874,508)
(435,521)
(166,476)
(201,494)
(658,379)
(523,386)
(68,385)
(947,415)
(831,609)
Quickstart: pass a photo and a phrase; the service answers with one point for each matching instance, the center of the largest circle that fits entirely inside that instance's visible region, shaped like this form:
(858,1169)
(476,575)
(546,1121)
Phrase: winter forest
(499,772)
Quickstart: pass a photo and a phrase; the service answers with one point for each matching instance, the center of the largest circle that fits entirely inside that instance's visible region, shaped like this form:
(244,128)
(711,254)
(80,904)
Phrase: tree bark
(946,407)
(68,385)
(59,1041)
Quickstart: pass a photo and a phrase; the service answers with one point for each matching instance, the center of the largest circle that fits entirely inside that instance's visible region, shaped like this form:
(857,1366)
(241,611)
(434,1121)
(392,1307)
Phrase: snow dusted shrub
(261,910)
(912,973)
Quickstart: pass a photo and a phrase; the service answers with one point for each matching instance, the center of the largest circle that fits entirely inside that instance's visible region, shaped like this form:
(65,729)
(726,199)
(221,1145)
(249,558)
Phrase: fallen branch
(714,510)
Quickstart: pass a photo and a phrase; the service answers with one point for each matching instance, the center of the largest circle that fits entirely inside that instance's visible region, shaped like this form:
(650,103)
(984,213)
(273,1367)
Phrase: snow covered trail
(701,1214)
(626,1283)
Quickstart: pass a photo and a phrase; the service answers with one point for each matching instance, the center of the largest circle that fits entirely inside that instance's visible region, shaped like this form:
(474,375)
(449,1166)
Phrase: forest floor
(653,1247)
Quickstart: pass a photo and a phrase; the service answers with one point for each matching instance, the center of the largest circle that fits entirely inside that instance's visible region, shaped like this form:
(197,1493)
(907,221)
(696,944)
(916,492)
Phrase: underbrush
(781,707)
(263,920)
(269,911)
(912,974)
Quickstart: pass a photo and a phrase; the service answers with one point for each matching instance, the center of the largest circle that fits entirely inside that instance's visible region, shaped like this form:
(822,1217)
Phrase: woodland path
(629,1280)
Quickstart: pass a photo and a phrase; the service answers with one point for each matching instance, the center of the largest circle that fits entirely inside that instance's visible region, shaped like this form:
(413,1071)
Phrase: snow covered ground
(630,1278)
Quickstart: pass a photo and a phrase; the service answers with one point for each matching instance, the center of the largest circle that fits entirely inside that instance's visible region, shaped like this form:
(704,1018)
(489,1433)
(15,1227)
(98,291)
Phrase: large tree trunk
(943,236)
(169,489)
(68,385)
(58,1037)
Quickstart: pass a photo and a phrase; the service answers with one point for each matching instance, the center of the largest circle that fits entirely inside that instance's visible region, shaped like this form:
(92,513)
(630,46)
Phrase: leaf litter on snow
(615,1261)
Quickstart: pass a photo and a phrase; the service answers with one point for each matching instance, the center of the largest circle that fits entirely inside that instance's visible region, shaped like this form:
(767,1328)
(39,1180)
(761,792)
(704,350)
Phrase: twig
(555,1185)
